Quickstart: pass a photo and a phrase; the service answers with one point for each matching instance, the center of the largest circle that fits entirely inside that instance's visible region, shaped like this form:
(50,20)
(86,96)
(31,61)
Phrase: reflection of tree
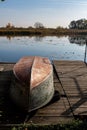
(9,37)
(81,40)
(38,39)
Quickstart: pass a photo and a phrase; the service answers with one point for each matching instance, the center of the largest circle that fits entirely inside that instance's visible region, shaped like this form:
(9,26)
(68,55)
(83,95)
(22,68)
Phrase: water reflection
(78,39)
(53,47)
(38,38)
(8,37)
(81,40)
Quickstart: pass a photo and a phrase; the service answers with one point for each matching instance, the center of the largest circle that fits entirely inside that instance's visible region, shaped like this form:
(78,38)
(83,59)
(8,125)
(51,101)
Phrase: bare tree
(38,25)
(9,25)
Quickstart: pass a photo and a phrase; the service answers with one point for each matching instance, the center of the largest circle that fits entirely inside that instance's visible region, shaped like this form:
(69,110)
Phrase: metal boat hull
(31,98)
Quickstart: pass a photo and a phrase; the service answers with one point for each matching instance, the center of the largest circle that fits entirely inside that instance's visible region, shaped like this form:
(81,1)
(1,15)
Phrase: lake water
(57,48)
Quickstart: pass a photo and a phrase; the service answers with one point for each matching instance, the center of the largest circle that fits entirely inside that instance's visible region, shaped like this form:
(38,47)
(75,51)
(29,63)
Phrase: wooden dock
(69,101)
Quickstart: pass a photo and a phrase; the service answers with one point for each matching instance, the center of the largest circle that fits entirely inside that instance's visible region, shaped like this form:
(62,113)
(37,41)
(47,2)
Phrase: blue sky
(52,13)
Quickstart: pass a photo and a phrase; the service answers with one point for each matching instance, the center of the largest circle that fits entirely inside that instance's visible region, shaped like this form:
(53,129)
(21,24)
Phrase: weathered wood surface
(73,76)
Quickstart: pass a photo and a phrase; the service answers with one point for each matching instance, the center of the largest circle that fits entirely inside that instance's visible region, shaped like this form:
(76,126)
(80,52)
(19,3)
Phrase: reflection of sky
(52,47)
(51,13)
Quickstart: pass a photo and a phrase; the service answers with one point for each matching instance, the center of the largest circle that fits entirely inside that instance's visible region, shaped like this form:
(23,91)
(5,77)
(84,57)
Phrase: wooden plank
(41,120)
(67,68)
(68,63)
(73,76)
(6,67)
(79,106)
(52,114)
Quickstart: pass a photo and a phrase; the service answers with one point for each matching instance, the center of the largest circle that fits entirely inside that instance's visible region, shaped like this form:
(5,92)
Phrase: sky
(51,13)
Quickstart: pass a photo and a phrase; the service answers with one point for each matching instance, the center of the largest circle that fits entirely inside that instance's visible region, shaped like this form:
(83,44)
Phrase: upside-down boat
(32,82)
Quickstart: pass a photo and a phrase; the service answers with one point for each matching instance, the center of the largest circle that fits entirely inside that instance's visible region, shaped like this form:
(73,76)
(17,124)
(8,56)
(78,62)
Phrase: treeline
(78,24)
(39,29)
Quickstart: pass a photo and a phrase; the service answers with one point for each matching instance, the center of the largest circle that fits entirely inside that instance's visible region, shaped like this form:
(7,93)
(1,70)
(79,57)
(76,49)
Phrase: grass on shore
(40,31)
(74,125)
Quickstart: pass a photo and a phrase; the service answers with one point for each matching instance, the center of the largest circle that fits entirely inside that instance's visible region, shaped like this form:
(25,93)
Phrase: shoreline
(40,31)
